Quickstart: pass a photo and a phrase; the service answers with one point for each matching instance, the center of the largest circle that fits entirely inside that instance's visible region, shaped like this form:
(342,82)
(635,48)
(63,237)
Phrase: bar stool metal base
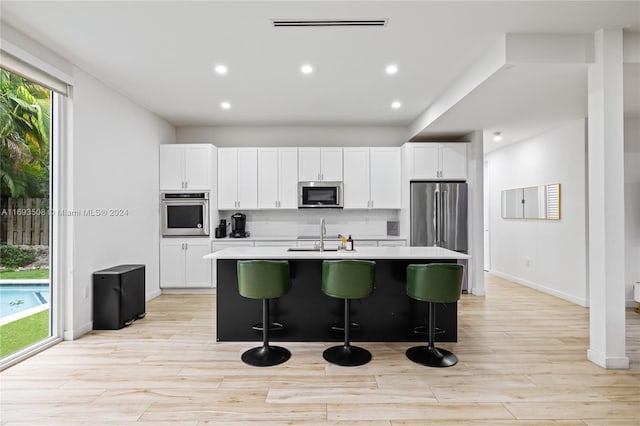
(347,356)
(266,356)
(431,356)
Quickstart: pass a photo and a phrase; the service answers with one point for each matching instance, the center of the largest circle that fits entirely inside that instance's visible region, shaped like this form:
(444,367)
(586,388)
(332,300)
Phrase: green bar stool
(434,283)
(347,279)
(264,279)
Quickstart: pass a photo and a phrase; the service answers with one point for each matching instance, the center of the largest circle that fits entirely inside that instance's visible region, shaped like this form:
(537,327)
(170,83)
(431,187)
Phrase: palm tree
(24,136)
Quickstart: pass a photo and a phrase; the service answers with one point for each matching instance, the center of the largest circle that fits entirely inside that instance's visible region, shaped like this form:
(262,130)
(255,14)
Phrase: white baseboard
(542,288)
(76,333)
(611,363)
(188,291)
(153,295)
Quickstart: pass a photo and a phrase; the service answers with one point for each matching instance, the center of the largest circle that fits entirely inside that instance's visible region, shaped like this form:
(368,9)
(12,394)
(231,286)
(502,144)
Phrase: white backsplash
(291,223)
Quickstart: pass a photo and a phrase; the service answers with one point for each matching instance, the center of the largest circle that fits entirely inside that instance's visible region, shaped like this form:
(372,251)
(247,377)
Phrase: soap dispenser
(349,244)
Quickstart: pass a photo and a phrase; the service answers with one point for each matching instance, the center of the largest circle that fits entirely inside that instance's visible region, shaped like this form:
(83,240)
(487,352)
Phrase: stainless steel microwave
(320,194)
(185,214)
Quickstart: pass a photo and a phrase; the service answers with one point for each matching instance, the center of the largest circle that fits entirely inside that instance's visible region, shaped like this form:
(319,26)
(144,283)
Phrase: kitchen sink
(310,249)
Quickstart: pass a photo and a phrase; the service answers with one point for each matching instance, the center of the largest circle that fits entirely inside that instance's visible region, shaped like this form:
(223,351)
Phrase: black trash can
(118,296)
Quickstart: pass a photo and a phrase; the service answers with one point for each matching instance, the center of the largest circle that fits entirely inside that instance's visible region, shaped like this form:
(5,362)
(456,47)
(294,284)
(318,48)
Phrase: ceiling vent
(329,22)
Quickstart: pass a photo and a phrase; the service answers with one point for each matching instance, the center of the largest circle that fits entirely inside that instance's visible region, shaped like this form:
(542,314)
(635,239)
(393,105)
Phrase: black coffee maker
(238,223)
(221,231)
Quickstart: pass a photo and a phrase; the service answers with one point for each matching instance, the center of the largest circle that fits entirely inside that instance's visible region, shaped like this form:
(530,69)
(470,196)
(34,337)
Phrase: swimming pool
(19,297)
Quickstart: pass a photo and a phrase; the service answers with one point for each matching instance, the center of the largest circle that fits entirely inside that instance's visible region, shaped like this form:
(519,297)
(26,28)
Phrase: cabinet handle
(371,203)
(186,184)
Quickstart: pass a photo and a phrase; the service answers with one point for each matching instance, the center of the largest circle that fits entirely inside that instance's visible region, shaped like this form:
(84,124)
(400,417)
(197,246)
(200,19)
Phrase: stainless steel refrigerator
(439,215)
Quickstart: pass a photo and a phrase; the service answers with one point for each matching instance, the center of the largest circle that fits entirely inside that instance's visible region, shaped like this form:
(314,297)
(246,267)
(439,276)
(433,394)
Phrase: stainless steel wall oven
(184,214)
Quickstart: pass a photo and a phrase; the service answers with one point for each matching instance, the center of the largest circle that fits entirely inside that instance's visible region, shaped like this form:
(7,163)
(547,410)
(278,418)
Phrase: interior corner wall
(632,204)
(115,169)
(547,255)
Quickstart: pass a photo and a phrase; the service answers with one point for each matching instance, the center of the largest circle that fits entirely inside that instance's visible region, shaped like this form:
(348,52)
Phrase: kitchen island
(307,314)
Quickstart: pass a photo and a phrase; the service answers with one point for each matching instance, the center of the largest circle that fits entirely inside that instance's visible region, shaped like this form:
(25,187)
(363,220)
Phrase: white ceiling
(161,55)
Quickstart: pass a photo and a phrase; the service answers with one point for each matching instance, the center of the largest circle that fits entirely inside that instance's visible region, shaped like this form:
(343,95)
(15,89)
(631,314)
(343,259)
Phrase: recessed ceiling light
(306,69)
(221,69)
(396,104)
(391,69)
(497,136)
(225,105)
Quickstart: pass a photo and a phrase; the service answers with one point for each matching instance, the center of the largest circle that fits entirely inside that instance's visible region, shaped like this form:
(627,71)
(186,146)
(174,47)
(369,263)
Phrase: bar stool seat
(434,283)
(347,279)
(264,279)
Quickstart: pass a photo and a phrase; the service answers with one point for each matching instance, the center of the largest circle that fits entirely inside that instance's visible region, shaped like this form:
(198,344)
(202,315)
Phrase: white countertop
(295,238)
(360,253)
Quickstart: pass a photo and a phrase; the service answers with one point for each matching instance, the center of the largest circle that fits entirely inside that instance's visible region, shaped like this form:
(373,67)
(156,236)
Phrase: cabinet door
(425,161)
(288,178)
(198,270)
(247,178)
(267,178)
(197,168)
(331,164)
(308,164)
(454,160)
(386,179)
(172,264)
(227,178)
(171,167)
(392,243)
(364,243)
(356,178)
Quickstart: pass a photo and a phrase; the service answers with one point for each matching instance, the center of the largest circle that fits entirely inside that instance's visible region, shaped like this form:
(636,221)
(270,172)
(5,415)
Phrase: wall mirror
(532,202)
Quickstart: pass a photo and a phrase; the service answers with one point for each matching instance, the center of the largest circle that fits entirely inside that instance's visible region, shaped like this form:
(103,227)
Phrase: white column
(606,254)
(475,181)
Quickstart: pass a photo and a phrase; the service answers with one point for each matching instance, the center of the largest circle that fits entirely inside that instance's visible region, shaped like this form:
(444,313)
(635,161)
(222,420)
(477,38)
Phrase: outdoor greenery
(15,257)
(27,274)
(24,137)
(24,332)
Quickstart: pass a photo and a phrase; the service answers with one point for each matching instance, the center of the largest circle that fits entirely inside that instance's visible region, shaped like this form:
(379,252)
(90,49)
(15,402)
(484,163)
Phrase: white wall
(115,166)
(632,204)
(230,136)
(547,255)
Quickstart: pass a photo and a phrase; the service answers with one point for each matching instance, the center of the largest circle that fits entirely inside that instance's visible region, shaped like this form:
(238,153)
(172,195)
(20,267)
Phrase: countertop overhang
(359,253)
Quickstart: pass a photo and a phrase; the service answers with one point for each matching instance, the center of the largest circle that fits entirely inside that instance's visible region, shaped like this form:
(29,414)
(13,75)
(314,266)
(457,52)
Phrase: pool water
(16,298)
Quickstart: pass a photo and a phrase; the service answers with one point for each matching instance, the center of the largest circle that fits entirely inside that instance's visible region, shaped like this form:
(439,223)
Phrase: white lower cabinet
(392,243)
(182,265)
(364,243)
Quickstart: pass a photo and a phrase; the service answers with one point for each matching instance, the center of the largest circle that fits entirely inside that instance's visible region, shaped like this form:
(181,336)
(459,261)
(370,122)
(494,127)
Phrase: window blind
(33,73)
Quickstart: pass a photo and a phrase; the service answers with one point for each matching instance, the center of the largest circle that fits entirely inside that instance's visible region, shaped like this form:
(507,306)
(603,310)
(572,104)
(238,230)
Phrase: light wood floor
(522,361)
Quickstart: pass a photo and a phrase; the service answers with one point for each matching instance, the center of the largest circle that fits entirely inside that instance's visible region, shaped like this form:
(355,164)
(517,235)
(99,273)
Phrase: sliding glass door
(27,311)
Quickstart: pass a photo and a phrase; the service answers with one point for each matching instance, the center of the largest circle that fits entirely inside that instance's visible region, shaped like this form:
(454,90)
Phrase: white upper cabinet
(237,178)
(372,178)
(277,178)
(386,182)
(453,160)
(356,178)
(186,166)
(319,164)
(438,161)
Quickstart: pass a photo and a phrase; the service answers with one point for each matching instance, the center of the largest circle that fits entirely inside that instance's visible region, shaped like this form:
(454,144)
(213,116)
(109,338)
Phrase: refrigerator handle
(443,215)
(436,214)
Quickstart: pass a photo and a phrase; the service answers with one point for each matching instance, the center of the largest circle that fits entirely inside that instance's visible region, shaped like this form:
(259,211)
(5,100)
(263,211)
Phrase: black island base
(306,314)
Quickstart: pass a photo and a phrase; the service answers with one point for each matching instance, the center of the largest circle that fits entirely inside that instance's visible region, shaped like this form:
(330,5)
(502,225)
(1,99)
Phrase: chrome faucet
(323,231)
